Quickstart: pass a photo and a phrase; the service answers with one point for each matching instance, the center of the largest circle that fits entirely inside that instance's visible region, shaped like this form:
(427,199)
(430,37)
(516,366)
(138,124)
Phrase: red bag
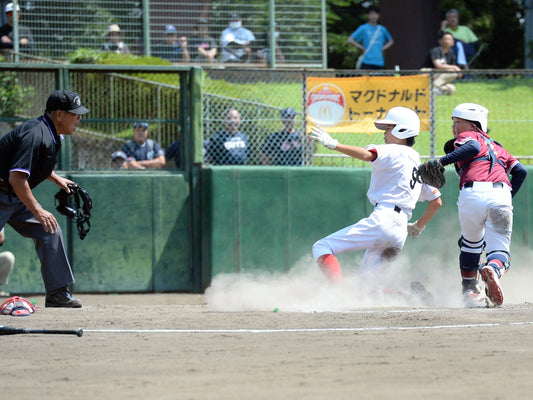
(17,306)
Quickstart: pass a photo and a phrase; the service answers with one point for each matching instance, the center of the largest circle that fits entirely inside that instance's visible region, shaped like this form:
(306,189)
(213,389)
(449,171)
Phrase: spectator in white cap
(6,31)
(114,42)
(172,48)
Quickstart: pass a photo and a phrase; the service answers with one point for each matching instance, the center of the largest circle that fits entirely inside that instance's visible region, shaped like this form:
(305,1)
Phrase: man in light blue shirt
(372,39)
(236,41)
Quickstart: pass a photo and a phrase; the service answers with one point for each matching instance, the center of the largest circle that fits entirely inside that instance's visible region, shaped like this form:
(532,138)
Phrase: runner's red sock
(330,266)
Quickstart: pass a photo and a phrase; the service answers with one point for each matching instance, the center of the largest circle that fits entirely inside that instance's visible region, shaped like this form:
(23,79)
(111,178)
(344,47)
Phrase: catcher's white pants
(382,234)
(7,260)
(486,211)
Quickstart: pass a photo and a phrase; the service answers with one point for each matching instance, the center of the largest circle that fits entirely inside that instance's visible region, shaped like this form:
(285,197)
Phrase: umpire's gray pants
(55,267)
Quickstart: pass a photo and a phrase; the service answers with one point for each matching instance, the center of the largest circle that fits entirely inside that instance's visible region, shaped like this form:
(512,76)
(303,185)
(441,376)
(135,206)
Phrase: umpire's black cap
(65,100)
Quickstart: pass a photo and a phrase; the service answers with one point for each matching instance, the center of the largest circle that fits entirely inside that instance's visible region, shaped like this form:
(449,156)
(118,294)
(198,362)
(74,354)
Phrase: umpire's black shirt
(31,148)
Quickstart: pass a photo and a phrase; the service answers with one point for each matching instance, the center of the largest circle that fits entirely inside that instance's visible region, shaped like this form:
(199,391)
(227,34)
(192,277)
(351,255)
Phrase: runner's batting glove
(320,135)
(414,230)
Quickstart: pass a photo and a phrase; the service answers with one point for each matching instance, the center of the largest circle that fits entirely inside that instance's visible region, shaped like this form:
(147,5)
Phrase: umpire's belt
(495,185)
(388,205)
(5,187)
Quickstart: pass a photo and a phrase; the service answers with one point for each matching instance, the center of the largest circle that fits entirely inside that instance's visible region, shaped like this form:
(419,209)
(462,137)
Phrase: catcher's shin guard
(499,260)
(469,261)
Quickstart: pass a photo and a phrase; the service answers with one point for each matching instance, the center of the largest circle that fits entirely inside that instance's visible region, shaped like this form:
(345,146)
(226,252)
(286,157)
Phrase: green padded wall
(265,218)
(139,238)
(252,219)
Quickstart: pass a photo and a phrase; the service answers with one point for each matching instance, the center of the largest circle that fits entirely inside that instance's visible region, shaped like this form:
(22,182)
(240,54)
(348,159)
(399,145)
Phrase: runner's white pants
(382,234)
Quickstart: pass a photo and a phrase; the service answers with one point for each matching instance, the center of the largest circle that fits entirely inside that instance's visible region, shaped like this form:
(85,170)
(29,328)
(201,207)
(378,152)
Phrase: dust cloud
(305,289)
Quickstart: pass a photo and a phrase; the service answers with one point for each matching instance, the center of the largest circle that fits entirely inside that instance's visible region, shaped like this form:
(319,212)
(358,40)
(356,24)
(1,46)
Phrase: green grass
(510,118)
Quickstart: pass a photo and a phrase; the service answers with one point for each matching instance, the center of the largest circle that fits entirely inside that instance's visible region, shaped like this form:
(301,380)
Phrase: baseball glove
(431,173)
(76,205)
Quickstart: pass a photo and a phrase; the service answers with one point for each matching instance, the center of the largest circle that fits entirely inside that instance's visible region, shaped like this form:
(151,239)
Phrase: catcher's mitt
(76,205)
(431,173)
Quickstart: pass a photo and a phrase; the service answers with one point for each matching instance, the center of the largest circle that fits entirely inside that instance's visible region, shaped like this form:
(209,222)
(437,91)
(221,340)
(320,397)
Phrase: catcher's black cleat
(62,298)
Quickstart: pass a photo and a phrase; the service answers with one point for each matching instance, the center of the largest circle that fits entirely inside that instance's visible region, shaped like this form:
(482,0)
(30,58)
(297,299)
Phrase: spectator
(6,31)
(463,35)
(373,39)
(442,58)
(173,155)
(144,152)
(172,48)
(230,146)
(7,260)
(114,42)
(285,147)
(264,54)
(236,41)
(118,158)
(203,46)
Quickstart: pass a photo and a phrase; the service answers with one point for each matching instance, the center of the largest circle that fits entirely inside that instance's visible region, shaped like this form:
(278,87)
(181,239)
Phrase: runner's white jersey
(392,179)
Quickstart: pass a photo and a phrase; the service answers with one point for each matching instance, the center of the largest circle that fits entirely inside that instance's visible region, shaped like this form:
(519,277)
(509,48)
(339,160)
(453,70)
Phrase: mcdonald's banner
(353,104)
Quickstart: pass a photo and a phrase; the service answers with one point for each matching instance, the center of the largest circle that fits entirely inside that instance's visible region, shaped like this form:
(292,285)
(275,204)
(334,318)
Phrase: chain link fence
(116,101)
(266,100)
(56,29)
(260,97)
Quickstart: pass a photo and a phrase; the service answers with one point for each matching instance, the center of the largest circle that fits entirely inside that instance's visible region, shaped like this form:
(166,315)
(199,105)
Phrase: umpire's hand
(19,182)
(47,220)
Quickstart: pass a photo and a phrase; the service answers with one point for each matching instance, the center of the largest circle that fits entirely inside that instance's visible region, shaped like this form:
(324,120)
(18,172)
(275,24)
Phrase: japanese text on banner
(353,104)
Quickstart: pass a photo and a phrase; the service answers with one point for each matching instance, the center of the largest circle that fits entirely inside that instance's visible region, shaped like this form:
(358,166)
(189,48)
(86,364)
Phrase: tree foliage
(497,23)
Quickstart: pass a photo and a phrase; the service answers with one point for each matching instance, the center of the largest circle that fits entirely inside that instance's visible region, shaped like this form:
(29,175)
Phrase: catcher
(485,201)
(28,155)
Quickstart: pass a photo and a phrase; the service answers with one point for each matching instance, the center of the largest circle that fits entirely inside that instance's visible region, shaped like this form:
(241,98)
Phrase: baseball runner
(485,202)
(28,155)
(393,192)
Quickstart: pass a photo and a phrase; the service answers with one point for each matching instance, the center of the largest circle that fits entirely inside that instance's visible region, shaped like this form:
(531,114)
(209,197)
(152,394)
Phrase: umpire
(28,155)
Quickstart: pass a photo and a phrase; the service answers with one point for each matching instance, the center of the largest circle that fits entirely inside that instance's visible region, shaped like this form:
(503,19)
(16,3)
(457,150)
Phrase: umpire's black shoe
(62,298)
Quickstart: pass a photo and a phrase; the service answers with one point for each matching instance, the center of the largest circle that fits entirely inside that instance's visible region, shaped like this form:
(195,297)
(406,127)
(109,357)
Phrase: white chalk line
(307,330)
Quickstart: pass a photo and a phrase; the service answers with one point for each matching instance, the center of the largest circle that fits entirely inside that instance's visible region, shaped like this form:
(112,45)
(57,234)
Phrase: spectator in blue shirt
(373,39)
(236,41)
(172,48)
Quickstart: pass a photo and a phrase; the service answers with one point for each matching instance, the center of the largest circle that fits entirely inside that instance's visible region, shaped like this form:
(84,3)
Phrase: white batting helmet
(406,121)
(472,112)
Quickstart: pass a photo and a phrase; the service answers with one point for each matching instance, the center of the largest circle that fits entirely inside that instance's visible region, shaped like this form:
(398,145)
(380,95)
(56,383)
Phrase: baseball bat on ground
(8,330)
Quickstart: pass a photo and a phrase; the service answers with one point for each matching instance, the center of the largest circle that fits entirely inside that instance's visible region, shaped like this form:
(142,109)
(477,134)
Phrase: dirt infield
(174,346)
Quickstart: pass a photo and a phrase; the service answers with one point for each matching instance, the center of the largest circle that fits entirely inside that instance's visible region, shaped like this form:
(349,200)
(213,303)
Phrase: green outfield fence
(120,96)
(173,229)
